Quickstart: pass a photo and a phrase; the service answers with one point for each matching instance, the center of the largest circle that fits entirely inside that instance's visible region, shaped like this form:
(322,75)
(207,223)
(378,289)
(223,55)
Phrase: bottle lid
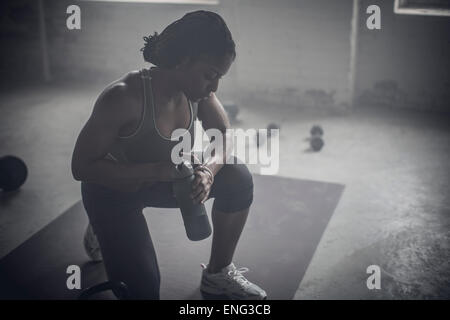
(184,169)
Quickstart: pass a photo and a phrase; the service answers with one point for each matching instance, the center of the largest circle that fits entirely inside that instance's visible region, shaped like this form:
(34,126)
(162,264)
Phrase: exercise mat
(285,224)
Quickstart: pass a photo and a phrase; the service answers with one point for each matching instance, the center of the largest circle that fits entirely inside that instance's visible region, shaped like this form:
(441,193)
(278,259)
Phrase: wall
(20,58)
(406,63)
(289,52)
(295,52)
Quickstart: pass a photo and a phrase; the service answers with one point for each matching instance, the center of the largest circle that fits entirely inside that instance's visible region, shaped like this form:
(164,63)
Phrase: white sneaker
(91,245)
(230,282)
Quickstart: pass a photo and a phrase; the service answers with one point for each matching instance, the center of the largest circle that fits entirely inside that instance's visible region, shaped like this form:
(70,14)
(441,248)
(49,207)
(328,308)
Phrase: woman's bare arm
(213,115)
(110,114)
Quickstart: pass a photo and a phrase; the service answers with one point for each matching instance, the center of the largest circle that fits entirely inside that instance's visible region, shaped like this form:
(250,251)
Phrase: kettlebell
(194,215)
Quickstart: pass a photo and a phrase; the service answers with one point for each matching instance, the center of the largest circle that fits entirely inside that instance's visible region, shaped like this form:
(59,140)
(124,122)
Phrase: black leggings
(121,229)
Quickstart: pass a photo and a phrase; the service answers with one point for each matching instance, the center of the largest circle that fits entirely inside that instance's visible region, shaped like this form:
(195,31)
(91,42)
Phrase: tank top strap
(148,97)
(194,110)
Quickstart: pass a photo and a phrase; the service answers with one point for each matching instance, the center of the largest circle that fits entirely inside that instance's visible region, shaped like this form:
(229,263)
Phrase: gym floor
(394,213)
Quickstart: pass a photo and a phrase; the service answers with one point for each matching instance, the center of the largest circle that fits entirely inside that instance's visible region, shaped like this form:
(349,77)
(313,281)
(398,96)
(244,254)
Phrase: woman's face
(201,77)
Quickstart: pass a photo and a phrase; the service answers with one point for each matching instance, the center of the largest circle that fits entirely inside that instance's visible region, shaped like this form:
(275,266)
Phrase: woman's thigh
(124,239)
(159,195)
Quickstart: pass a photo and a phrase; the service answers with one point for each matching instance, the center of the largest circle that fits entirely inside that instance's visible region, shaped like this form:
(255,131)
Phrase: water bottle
(194,215)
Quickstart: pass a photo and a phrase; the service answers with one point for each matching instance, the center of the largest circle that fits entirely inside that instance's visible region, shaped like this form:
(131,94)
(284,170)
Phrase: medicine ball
(13,173)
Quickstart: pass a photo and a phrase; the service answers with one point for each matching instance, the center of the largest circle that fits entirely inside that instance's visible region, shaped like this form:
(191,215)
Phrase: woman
(122,157)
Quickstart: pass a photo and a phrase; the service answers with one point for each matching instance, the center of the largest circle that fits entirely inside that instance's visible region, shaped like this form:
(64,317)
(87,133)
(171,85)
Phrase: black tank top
(147,144)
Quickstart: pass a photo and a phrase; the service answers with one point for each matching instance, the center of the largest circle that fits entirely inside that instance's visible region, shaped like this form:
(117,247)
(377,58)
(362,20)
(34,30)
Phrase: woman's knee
(146,291)
(236,175)
(233,188)
(143,280)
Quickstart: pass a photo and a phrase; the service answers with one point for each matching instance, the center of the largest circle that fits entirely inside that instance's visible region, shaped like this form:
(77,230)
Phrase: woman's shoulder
(128,86)
(123,95)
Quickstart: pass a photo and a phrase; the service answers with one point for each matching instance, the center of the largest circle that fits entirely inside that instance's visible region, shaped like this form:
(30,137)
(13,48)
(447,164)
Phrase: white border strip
(186,2)
(420,11)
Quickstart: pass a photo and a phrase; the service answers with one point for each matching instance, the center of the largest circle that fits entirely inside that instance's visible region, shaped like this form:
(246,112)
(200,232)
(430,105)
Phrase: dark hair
(197,34)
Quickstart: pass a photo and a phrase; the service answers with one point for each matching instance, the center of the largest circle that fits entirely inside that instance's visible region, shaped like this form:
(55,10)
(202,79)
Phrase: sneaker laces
(236,274)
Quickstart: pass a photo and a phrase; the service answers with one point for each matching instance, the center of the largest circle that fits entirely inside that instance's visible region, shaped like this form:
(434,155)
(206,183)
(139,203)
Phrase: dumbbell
(13,173)
(261,140)
(316,142)
(232,110)
(316,130)
(271,126)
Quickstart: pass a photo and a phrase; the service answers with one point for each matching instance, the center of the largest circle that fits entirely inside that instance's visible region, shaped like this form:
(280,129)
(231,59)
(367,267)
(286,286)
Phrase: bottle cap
(184,169)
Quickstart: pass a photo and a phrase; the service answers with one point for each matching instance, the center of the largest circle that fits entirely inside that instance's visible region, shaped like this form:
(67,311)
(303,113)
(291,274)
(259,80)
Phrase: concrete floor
(394,213)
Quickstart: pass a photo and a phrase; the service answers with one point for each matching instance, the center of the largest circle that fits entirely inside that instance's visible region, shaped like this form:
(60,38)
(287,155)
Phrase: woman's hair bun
(196,35)
(149,51)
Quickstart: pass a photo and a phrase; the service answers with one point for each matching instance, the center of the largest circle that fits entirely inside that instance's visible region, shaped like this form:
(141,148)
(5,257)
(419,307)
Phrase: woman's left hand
(201,186)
